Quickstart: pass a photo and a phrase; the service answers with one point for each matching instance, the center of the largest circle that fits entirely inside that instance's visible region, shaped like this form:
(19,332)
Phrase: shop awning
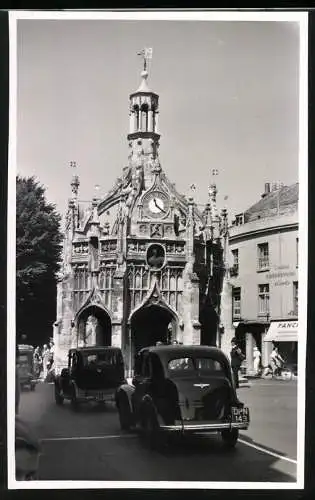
(282,331)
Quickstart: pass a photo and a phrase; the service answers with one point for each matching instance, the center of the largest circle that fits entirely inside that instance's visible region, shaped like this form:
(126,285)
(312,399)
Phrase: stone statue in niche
(155,257)
(90,329)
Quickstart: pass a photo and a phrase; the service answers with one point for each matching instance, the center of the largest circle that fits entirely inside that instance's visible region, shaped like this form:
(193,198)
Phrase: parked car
(93,374)
(27,451)
(182,389)
(25,366)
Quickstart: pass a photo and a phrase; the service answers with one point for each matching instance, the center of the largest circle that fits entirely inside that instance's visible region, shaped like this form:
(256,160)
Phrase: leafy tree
(38,239)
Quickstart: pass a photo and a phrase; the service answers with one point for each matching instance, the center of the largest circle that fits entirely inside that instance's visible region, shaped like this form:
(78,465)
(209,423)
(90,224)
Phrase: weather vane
(146,53)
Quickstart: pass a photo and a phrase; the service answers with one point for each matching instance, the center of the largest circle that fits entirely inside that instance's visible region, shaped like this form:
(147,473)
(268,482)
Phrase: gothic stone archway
(151,324)
(94,327)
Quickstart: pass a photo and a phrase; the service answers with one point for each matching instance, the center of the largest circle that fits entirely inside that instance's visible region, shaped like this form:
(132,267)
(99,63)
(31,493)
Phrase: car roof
(97,348)
(169,351)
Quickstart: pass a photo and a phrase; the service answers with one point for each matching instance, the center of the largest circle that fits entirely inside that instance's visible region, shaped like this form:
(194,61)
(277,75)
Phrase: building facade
(141,264)
(262,288)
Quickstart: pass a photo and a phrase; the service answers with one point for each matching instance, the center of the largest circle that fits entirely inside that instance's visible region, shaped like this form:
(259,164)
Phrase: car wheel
(58,397)
(230,437)
(32,387)
(125,416)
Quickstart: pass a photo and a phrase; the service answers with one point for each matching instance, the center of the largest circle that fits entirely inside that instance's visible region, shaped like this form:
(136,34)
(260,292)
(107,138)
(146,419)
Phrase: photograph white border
(294,16)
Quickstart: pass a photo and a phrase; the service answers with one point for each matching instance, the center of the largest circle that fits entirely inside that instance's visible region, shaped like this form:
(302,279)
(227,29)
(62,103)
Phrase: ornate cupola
(143,134)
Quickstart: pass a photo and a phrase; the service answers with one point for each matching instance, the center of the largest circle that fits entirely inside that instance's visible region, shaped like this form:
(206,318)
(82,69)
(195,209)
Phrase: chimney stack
(267,189)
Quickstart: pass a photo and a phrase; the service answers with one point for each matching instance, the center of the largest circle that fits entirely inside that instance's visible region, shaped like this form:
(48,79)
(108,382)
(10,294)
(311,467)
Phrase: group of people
(43,360)
(274,367)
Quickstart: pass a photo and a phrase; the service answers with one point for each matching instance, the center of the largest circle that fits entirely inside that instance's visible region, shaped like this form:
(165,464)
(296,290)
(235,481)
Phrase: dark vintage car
(25,366)
(93,374)
(182,389)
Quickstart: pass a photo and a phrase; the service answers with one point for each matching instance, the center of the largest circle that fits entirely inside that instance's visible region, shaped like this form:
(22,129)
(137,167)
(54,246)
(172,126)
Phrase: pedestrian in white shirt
(257,357)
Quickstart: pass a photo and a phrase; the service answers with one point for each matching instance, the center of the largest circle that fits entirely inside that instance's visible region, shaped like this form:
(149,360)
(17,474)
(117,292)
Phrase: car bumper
(182,426)
(96,395)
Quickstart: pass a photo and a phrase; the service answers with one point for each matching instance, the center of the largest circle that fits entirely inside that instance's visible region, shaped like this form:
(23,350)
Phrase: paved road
(89,445)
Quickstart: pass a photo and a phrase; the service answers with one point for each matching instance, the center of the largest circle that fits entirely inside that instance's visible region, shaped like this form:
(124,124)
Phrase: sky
(228,101)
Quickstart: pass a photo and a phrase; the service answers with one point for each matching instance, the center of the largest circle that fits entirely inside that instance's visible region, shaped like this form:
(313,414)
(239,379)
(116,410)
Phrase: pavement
(89,445)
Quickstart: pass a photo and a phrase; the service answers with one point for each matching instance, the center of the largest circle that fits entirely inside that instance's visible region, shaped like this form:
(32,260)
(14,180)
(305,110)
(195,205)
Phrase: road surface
(89,445)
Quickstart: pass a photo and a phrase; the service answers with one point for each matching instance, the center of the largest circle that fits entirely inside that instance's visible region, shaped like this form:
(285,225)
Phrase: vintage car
(25,366)
(93,374)
(182,389)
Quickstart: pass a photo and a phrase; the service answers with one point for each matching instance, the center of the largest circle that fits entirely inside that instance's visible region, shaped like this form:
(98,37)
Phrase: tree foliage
(38,239)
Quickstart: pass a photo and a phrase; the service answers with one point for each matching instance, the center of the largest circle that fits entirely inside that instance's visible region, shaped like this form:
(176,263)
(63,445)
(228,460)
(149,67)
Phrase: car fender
(128,390)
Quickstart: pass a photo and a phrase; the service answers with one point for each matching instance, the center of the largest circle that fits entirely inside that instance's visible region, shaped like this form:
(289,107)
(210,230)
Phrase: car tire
(124,412)
(58,398)
(230,438)
(32,386)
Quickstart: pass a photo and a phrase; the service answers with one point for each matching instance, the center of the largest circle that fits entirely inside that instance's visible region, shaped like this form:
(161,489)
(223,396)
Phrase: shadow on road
(92,408)
(190,459)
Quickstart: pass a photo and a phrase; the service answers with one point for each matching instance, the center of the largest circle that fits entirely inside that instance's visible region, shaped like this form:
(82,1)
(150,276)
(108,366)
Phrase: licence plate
(240,415)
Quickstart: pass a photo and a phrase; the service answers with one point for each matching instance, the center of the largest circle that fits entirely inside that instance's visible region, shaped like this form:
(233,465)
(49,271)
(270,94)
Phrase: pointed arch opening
(94,327)
(151,324)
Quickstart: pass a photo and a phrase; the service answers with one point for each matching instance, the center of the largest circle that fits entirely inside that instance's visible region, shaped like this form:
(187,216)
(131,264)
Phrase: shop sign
(280,275)
(293,325)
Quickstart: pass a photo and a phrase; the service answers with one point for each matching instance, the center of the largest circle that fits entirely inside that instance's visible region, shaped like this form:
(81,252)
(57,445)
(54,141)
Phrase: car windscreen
(195,365)
(108,358)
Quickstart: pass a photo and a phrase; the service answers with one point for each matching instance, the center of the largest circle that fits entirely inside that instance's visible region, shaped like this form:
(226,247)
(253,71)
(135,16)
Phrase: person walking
(37,362)
(237,358)
(257,357)
(46,360)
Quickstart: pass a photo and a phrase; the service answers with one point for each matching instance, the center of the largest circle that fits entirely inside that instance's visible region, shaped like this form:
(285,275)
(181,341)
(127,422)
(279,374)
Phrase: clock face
(156,204)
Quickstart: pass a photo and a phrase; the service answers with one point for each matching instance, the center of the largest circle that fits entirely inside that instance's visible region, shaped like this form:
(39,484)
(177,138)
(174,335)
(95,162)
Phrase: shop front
(249,335)
(284,335)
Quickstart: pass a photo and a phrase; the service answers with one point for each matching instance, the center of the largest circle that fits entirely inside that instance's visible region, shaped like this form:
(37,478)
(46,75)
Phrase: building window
(263,300)
(239,219)
(236,303)
(295,297)
(297,252)
(234,269)
(263,256)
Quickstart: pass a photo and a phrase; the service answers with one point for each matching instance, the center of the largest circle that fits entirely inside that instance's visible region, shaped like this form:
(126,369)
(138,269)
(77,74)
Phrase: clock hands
(158,206)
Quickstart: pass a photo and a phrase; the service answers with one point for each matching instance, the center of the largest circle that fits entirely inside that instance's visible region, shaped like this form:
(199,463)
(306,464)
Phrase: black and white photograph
(158,246)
